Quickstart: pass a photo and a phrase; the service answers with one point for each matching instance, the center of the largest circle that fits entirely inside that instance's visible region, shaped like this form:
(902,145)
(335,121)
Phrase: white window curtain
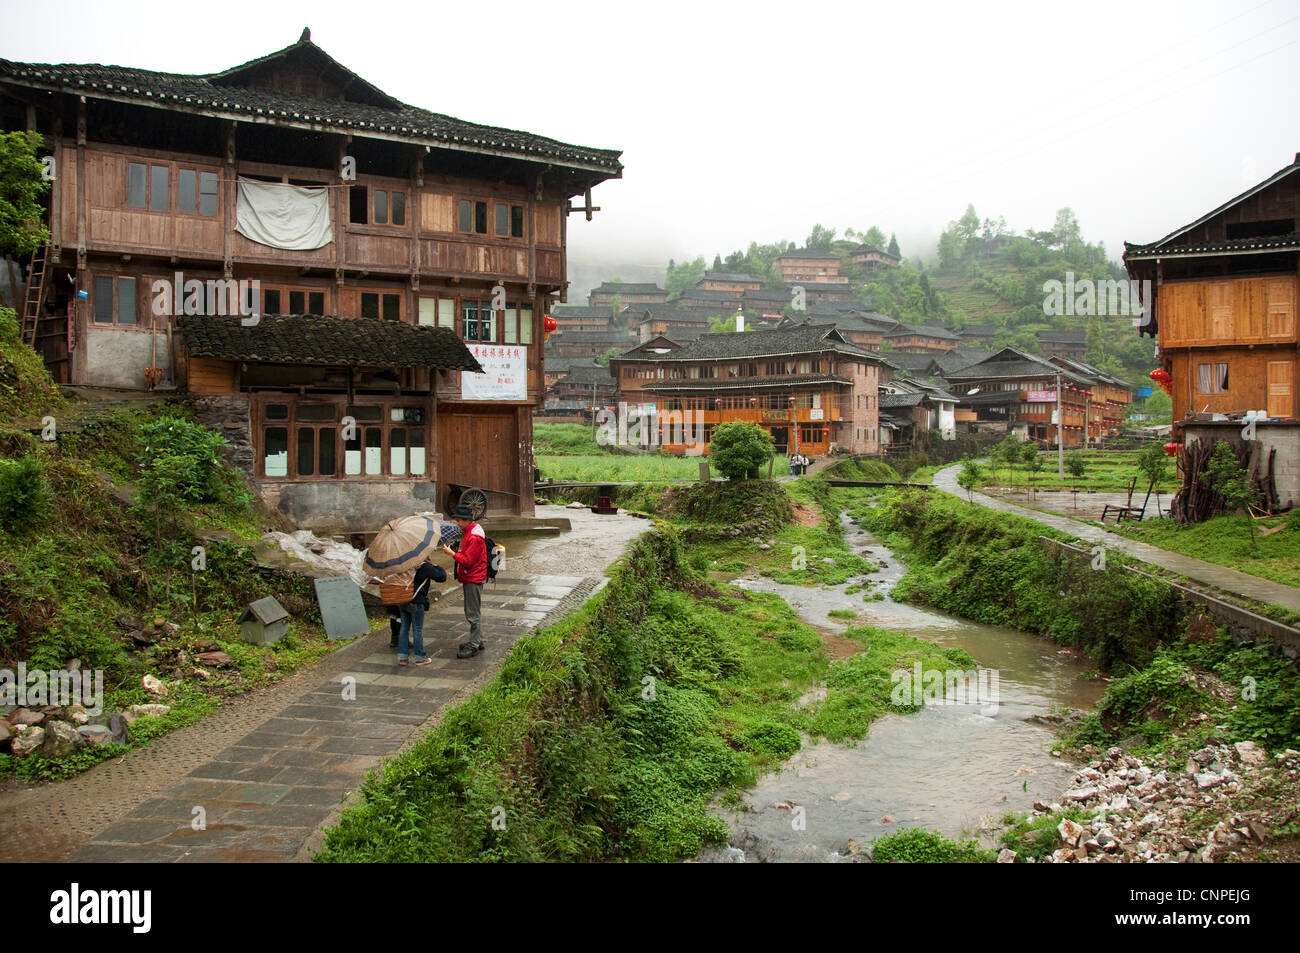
(283,216)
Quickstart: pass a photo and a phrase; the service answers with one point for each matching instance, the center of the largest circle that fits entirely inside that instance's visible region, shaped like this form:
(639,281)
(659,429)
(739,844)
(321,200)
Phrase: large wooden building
(1224,297)
(390,349)
(805,385)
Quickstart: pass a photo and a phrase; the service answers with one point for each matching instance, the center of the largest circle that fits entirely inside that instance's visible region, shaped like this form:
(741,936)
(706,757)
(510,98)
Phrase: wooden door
(1280,383)
(479,448)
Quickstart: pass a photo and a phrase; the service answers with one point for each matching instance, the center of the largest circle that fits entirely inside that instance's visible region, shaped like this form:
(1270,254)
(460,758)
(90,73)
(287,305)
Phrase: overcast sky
(753,121)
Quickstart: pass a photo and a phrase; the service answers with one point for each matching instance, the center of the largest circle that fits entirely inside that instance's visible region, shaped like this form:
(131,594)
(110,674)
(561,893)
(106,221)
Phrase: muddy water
(954,768)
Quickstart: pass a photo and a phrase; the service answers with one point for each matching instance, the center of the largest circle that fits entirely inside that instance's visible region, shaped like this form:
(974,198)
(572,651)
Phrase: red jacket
(472,557)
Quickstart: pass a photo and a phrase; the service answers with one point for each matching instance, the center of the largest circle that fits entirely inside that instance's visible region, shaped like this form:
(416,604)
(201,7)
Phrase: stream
(952,768)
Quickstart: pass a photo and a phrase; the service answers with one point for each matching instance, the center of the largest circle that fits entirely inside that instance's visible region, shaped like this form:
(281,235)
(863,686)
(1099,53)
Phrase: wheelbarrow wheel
(476,500)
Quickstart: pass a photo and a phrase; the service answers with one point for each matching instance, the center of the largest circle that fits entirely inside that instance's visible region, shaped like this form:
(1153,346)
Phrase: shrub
(739,447)
(917,846)
(24,495)
(188,452)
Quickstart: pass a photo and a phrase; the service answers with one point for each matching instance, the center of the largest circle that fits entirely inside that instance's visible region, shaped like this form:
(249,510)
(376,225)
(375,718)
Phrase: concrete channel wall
(1240,621)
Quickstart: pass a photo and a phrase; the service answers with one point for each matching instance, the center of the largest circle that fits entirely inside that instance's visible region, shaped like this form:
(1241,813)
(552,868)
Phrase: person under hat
(471,570)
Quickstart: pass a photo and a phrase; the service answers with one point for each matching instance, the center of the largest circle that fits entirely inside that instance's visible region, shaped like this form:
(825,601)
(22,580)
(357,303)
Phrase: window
(115,301)
(1211,378)
(297,300)
(196,192)
(516,221)
(148,186)
(373,305)
(480,217)
(503,220)
(478,320)
(438,311)
(390,208)
(358,205)
(465,216)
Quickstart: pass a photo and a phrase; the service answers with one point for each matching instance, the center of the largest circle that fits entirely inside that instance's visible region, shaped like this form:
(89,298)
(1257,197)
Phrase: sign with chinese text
(505,373)
(816,414)
(1041,396)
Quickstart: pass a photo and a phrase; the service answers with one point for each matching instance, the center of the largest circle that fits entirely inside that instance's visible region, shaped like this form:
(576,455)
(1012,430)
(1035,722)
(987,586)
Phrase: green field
(1225,540)
(1107,470)
(619,468)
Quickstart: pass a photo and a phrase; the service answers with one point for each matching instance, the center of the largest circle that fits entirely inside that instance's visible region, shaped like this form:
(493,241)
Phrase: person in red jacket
(471,566)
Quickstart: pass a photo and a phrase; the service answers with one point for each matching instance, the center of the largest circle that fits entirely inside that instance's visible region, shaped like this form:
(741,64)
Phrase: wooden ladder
(35,295)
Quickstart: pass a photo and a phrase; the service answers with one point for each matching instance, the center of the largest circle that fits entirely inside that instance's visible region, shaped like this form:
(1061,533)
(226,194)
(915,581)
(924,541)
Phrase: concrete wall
(339,506)
(1285,437)
(116,358)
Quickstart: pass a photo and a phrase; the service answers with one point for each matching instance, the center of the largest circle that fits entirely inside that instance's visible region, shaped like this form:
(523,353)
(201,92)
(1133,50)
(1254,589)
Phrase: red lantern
(1172,449)
(549,323)
(1161,376)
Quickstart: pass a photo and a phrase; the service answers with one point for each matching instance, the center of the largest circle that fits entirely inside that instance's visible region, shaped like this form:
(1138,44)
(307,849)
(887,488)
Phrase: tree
(1075,466)
(603,359)
(738,447)
(893,246)
(970,477)
(717,262)
(1066,229)
(21,186)
(874,237)
(1160,406)
(1032,460)
(821,238)
(1226,477)
(683,276)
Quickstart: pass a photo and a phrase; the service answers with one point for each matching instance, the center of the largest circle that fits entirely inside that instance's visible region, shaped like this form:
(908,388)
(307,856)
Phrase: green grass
(646,468)
(564,439)
(1226,541)
(1107,471)
(918,846)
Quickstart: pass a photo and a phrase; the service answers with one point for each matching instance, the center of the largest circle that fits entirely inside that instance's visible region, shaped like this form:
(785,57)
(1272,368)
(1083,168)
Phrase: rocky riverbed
(1224,804)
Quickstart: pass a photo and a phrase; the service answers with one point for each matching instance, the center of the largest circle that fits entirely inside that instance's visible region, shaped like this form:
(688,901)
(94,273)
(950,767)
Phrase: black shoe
(392,644)
(468,651)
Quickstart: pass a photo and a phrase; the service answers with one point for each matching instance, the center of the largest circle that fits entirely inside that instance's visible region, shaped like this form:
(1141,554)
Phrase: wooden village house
(1222,296)
(390,349)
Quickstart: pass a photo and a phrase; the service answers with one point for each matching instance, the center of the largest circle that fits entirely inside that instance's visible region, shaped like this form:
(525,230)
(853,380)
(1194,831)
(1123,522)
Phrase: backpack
(496,557)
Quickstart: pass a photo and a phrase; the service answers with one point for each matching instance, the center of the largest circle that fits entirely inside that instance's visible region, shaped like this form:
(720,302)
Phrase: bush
(24,495)
(738,447)
(188,452)
(917,846)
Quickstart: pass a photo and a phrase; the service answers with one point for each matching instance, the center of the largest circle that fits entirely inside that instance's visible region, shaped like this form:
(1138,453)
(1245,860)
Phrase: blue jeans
(412,632)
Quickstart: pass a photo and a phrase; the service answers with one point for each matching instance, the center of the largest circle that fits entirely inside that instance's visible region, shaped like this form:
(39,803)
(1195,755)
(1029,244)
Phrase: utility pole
(593,407)
(1060,433)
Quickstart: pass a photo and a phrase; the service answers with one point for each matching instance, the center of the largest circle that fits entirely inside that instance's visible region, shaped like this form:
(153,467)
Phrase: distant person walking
(471,570)
(411,634)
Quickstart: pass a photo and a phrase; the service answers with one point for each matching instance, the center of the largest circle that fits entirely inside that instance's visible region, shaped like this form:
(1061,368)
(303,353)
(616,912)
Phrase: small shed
(264,622)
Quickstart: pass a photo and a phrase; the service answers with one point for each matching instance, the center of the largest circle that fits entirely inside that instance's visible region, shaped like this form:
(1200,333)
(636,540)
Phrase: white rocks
(137,711)
(1006,856)
(1208,779)
(1250,753)
(76,714)
(154,686)
(61,739)
(27,739)
(1070,832)
(1080,794)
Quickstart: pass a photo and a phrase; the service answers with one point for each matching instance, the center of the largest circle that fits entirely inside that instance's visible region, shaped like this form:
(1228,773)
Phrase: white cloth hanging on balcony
(283,216)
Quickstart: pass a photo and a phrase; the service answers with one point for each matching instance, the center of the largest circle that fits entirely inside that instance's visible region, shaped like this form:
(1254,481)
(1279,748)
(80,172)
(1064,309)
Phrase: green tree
(1160,406)
(821,238)
(1226,477)
(21,186)
(603,359)
(717,262)
(1066,228)
(738,447)
(1033,461)
(1075,465)
(683,276)
(875,238)
(970,477)
(893,246)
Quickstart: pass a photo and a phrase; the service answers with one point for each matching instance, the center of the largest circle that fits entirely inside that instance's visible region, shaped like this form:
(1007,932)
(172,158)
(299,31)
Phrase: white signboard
(505,374)
(815,414)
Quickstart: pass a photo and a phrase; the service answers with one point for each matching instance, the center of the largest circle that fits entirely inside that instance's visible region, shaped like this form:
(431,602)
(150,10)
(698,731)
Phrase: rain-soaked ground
(951,768)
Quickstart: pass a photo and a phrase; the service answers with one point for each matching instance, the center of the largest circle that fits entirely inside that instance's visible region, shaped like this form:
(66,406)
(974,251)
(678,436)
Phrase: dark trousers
(473,611)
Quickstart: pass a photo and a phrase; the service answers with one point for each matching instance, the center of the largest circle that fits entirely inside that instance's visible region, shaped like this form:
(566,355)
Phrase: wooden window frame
(286,290)
(293,425)
(199,173)
(116,307)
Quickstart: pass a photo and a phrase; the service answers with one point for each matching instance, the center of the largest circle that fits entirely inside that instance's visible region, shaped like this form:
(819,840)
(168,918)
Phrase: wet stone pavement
(263,797)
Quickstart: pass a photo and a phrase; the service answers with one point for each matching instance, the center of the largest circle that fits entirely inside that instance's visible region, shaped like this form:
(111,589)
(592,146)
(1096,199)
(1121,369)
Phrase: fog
(752,122)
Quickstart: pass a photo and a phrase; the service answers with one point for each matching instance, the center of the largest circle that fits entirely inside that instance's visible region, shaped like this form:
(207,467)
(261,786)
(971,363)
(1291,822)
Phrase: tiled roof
(751,384)
(613,336)
(562,364)
(626,287)
(1011,363)
(225,94)
(810,253)
(342,342)
(584,373)
(1267,243)
(901,400)
(924,330)
(1062,337)
(804,339)
(582,311)
(726,276)
(960,357)
(707,294)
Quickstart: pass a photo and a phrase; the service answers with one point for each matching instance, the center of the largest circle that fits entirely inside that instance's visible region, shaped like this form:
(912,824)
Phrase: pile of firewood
(1195,502)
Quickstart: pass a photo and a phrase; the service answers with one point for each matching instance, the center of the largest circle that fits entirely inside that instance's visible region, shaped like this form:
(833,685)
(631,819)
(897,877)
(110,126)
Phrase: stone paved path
(265,795)
(1197,570)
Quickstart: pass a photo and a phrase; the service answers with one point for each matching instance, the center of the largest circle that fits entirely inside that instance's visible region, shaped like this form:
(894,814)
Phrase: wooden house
(626,292)
(725,281)
(873,258)
(1224,298)
(922,337)
(805,266)
(806,385)
(576,317)
(1017,392)
(1068,344)
(397,263)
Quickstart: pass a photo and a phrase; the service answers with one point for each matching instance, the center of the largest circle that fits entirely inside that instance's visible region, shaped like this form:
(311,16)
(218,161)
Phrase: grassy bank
(83,564)
(608,735)
(1104,470)
(1226,541)
(990,567)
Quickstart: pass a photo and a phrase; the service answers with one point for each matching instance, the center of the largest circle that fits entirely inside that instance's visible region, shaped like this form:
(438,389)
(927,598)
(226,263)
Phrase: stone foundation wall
(228,416)
(1284,437)
(340,507)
